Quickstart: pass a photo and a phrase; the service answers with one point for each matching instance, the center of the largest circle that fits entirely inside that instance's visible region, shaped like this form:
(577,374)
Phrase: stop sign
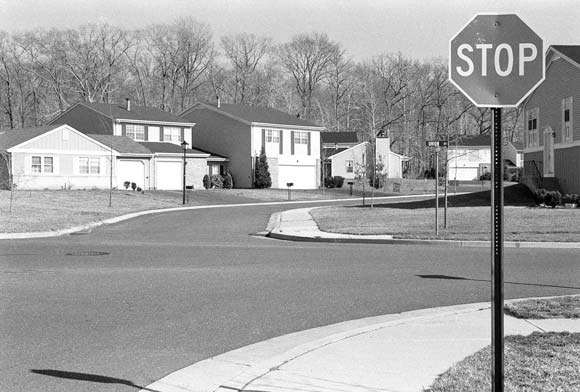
(496,60)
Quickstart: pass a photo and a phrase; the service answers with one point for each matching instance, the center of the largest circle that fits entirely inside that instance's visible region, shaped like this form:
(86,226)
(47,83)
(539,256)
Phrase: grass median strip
(545,308)
(539,362)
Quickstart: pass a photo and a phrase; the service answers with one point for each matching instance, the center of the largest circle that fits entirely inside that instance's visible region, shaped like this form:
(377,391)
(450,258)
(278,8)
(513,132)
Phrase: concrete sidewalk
(401,352)
(298,225)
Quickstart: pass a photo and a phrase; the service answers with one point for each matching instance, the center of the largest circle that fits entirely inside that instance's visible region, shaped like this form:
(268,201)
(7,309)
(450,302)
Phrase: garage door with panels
(169,174)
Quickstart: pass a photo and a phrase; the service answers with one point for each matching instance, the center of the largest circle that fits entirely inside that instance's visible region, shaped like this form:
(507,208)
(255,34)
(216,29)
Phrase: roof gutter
(129,120)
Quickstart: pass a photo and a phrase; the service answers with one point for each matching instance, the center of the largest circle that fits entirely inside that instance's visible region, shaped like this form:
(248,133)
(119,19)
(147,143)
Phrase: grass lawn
(545,308)
(46,210)
(468,218)
(540,362)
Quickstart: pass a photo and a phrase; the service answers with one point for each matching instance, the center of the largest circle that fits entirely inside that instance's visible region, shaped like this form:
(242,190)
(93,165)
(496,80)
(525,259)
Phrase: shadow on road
(88,377)
(448,277)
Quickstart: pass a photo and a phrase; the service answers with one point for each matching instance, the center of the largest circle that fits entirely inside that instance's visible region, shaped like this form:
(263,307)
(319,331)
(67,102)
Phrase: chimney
(219,102)
(128,100)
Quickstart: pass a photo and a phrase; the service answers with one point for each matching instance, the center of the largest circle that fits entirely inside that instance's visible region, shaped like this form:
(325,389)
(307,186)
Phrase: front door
(548,152)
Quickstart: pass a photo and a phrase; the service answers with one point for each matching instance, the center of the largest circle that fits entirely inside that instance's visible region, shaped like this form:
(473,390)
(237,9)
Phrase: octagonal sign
(496,60)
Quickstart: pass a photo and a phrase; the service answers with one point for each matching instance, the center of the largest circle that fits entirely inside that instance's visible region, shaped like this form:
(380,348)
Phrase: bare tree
(245,52)
(308,57)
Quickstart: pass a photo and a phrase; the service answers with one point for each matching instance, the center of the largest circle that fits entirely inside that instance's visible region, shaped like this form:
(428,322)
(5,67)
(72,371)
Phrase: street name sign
(496,60)
(437,143)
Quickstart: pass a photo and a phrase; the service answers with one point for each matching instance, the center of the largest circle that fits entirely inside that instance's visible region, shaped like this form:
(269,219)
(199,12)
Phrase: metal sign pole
(497,331)
(437,191)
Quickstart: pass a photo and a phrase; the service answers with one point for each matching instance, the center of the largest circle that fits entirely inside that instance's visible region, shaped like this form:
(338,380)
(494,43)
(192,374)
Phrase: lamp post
(184,145)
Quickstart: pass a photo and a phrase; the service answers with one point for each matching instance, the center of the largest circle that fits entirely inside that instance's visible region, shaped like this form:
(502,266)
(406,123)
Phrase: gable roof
(338,137)
(121,144)
(472,141)
(137,113)
(252,114)
(14,137)
(571,52)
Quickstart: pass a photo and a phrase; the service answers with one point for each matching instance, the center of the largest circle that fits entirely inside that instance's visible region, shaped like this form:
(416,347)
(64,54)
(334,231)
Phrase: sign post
(496,61)
(438,144)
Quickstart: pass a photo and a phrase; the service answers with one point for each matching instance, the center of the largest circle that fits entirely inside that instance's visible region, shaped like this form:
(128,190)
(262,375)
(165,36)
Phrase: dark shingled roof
(338,137)
(570,51)
(260,114)
(165,147)
(143,113)
(122,144)
(328,152)
(14,137)
(473,141)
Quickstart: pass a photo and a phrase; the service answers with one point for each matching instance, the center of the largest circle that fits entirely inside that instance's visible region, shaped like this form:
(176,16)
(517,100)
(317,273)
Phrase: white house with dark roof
(470,157)
(292,145)
(61,157)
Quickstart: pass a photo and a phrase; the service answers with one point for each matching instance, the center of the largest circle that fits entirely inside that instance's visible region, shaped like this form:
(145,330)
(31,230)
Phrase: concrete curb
(233,370)
(237,369)
(290,233)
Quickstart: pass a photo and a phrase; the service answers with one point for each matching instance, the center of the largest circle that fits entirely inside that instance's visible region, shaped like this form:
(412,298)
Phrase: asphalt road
(121,307)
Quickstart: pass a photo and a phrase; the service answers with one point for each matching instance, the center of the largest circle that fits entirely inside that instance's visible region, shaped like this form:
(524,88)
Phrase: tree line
(172,66)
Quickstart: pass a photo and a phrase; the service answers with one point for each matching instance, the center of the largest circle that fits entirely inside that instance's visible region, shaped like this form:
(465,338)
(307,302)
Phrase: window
(532,127)
(272,136)
(48,165)
(89,165)
(300,137)
(567,119)
(171,134)
(37,164)
(349,165)
(42,164)
(135,132)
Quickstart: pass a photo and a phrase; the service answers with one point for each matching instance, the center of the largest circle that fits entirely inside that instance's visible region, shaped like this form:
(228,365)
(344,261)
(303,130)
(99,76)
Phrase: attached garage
(131,170)
(463,173)
(169,175)
(303,177)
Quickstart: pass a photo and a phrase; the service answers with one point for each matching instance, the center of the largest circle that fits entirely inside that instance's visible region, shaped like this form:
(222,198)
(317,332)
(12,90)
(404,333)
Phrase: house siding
(63,139)
(65,174)
(562,81)
(86,120)
(566,167)
(225,136)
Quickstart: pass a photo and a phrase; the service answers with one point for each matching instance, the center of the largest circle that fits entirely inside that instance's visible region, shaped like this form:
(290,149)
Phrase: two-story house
(238,131)
(552,124)
(160,132)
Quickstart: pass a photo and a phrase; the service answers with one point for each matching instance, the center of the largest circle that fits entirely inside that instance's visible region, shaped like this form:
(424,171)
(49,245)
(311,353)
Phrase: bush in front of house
(228,180)
(334,182)
(571,198)
(262,177)
(485,176)
(206,182)
(217,181)
(548,198)
(126,184)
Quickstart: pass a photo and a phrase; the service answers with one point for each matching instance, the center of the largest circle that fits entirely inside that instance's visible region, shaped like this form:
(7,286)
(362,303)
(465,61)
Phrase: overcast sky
(420,29)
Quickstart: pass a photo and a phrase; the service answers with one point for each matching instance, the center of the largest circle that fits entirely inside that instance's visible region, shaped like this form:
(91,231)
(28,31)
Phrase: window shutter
(161,133)
(146,133)
(264,139)
(183,135)
(308,143)
(123,129)
(292,142)
(281,138)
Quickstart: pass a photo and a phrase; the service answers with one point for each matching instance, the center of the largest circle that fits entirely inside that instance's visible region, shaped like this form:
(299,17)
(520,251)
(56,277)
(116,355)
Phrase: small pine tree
(262,178)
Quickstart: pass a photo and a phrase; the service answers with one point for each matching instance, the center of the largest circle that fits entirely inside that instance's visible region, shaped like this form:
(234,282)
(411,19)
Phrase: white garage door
(131,171)
(463,173)
(303,177)
(169,175)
